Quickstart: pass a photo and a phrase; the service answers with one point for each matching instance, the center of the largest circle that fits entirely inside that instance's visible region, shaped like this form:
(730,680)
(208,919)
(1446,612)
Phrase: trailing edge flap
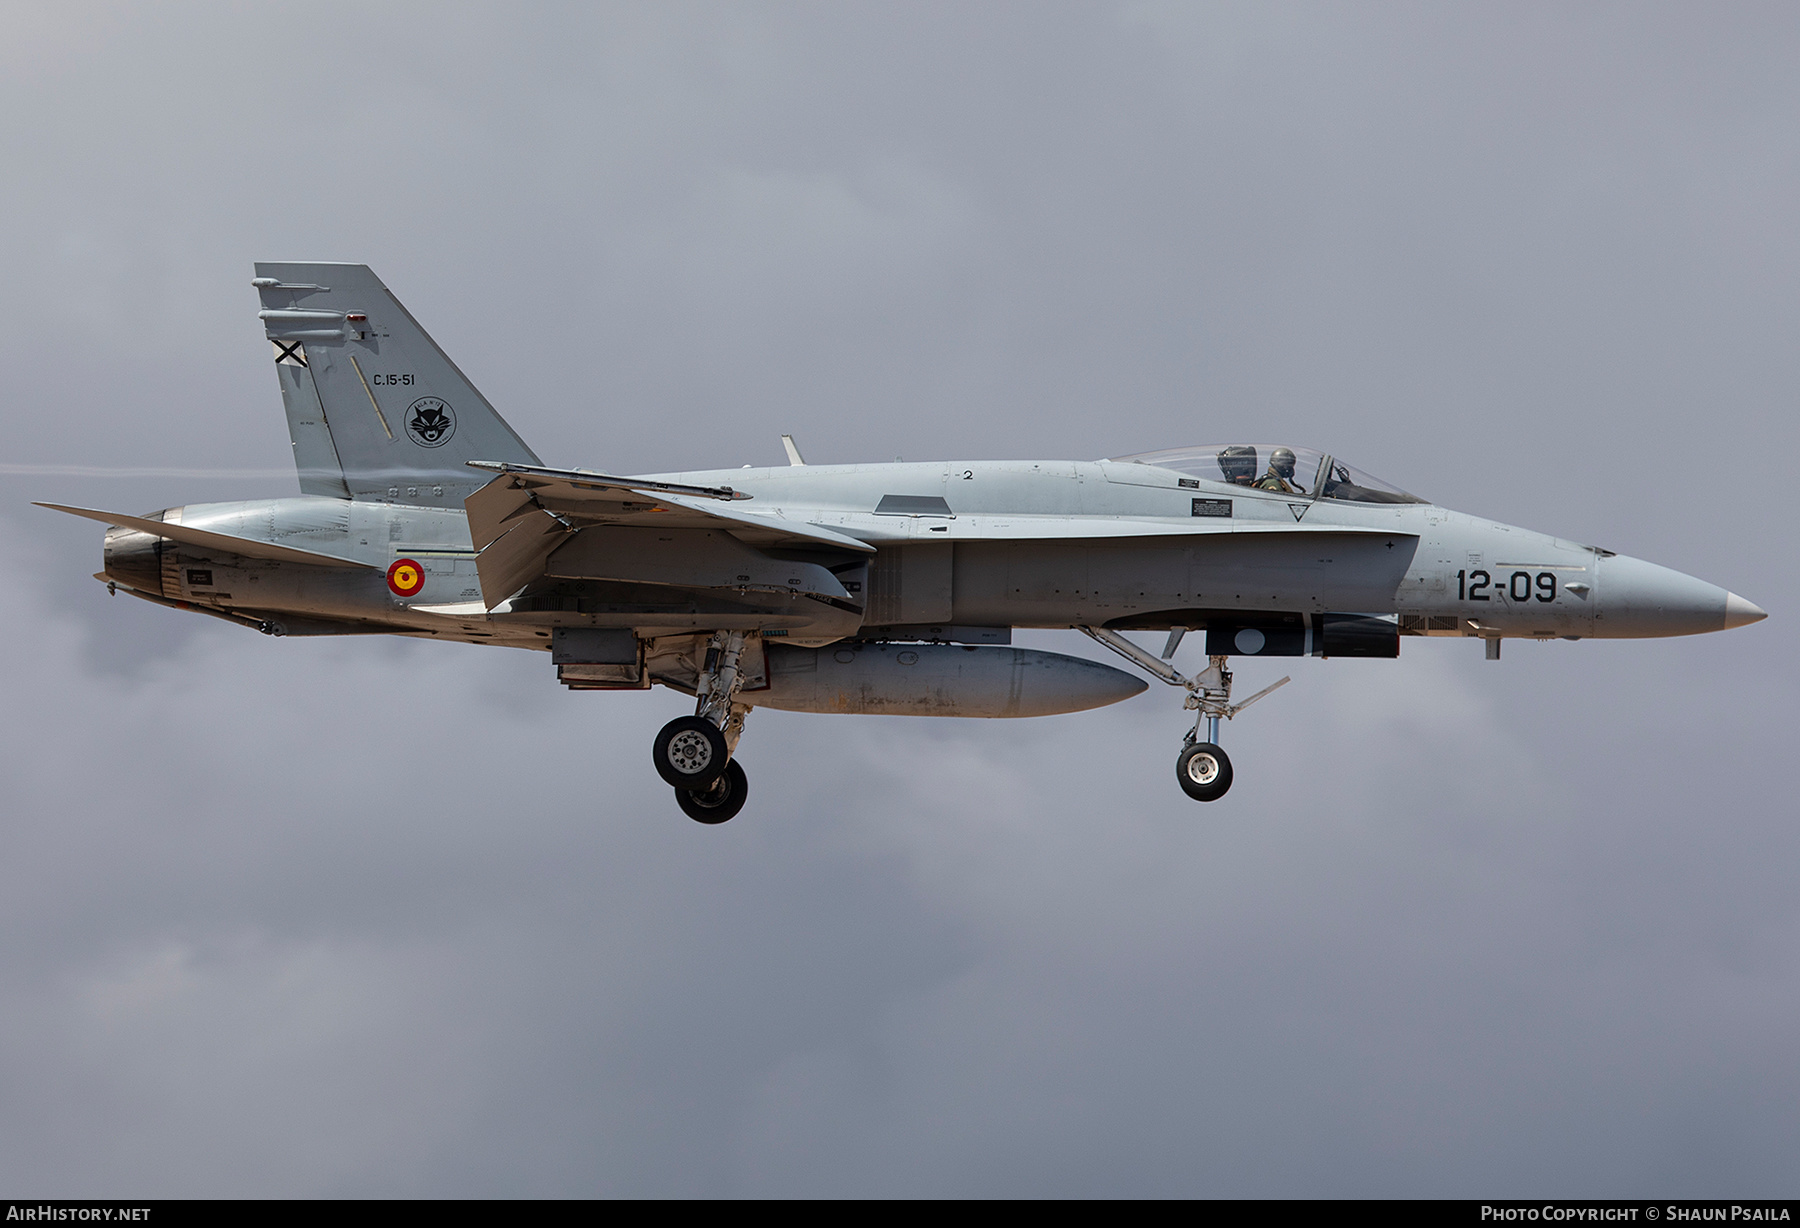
(684,558)
(519,519)
(246,546)
(583,499)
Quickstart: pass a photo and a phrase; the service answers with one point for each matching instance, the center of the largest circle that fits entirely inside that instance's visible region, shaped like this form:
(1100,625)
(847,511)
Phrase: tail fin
(376,410)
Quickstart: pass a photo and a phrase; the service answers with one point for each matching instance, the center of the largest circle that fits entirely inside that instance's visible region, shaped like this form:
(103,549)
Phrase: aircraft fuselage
(980,545)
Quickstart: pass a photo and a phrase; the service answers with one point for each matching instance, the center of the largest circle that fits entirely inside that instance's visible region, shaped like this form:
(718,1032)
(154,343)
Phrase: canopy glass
(1275,467)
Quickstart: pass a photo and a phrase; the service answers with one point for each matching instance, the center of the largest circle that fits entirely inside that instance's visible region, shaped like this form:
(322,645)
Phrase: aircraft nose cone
(1639,598)
(1741,613)
(1642,599)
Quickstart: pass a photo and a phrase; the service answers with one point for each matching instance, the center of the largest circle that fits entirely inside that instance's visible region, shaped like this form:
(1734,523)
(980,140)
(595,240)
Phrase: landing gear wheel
(1204,772)
(690,753)
(719,802)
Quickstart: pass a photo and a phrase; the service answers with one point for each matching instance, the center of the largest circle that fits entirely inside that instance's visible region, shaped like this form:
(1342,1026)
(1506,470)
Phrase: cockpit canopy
(1277,468)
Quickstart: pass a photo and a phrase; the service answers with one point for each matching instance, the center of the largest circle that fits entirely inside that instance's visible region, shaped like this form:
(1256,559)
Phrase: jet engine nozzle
(134,559)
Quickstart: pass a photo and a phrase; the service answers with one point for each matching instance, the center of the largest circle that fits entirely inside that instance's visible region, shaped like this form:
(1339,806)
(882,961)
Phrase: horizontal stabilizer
(246,546)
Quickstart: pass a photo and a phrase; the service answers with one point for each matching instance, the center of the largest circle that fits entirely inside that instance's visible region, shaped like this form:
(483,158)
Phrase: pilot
(1280,476)
(1238,464)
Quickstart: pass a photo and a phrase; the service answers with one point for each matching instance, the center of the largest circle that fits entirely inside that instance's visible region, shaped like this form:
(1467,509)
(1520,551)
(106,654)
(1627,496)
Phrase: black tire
(1204,772)
(718,803)
(690,753)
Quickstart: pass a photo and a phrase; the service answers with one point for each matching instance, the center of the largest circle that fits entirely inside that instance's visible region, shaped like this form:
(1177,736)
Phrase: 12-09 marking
(1473,586)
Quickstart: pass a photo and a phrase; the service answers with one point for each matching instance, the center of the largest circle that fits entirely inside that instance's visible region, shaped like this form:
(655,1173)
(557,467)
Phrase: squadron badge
(430,422)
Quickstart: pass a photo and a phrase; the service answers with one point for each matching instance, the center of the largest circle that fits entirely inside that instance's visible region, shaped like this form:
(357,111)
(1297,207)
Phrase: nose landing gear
(694,753)
(1202,769)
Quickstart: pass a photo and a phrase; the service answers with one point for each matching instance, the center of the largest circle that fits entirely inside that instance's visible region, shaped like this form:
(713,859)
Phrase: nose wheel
(1202,769)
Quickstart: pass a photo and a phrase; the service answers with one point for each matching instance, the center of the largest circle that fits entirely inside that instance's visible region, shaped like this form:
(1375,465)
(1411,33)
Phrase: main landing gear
(1202,769)
(694,753)
(719,801)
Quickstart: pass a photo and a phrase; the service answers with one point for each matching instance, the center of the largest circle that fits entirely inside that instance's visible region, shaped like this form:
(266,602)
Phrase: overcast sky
(287,917)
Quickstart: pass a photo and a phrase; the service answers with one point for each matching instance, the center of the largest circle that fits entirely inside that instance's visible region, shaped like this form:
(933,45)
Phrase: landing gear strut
(694,753)
(1203,770)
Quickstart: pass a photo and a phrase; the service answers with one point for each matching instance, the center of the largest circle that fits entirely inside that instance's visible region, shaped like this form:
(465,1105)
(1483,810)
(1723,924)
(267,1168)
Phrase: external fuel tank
(899,679)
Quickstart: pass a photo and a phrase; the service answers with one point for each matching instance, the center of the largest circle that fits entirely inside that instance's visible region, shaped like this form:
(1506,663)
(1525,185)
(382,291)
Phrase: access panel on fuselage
(1095,581)
(910,584)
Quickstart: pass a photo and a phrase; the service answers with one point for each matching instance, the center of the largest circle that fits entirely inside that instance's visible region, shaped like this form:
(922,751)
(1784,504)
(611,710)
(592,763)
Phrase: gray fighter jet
(837,588)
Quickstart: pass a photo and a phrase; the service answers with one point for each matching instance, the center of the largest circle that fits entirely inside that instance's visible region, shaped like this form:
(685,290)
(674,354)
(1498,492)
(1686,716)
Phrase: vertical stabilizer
(314,454)
(375,409)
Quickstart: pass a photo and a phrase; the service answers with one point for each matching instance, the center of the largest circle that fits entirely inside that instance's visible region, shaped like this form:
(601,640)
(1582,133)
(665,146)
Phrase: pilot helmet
(1238,463)
(1281,462)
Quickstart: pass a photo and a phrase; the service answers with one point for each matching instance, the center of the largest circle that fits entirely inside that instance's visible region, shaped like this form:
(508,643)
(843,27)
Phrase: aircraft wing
(521,517)
(246,546)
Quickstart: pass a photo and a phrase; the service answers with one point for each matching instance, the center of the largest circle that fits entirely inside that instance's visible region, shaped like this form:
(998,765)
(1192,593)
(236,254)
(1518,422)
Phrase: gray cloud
(289,917)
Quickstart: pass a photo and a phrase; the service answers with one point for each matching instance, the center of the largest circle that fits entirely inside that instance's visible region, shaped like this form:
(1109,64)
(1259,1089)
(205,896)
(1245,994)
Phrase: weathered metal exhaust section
(134,559)
(937,680)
